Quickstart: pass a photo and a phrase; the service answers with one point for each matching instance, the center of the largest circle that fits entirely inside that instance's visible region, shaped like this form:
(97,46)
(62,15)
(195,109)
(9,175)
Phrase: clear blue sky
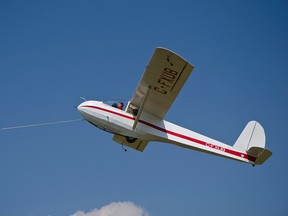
(53,52)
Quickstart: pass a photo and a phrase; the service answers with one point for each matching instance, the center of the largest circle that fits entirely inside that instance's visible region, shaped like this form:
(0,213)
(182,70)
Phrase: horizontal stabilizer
(261,154)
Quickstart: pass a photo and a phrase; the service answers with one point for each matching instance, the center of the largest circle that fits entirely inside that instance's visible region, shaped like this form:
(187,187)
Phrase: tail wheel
(130,139)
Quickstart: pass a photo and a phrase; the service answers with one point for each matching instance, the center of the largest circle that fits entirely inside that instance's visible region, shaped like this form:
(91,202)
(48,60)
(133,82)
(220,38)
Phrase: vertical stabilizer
(252,135)
(252,140)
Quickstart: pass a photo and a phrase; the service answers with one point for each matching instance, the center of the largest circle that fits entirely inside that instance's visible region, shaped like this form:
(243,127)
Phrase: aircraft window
(120,104)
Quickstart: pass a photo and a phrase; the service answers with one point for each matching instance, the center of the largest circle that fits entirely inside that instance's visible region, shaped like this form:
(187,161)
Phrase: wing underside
(136,144)
(160,84)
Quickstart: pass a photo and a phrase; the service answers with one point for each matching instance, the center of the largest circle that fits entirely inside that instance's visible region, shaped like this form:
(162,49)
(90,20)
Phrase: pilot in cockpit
(120,105)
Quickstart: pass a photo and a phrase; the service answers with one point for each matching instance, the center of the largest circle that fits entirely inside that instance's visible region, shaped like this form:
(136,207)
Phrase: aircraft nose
(81,107)
(81,110)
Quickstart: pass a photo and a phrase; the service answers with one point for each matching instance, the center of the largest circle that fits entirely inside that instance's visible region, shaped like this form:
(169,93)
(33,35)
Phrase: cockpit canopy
(120,104)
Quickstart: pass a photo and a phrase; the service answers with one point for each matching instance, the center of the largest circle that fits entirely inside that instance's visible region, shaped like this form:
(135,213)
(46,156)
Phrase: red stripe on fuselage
(200,142)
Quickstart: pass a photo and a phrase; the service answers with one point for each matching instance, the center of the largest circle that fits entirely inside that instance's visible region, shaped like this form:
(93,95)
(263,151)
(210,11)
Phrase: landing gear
(130,139)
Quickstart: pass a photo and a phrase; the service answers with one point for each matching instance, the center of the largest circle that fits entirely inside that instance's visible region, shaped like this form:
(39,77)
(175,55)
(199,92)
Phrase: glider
(141,120)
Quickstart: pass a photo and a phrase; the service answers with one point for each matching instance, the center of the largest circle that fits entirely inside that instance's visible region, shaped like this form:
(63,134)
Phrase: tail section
(252,140)
(252,135)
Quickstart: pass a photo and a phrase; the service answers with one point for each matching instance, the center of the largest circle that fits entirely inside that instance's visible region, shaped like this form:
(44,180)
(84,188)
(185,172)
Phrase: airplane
(141,120)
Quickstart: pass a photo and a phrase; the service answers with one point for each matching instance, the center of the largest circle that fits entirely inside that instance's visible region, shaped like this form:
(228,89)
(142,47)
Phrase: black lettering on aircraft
(166,80)
(160,90)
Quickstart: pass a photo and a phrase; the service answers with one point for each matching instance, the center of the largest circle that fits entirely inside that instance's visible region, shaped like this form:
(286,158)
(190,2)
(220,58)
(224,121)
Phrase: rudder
(252,140)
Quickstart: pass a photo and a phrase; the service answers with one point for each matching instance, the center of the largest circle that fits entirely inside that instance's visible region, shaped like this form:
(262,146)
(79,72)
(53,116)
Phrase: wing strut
(141,107)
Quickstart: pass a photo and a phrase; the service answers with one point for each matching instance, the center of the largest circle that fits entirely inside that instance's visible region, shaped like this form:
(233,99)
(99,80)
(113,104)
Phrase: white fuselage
(151,128)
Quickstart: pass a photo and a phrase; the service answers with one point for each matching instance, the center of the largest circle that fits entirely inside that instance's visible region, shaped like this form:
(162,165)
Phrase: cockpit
(119,104)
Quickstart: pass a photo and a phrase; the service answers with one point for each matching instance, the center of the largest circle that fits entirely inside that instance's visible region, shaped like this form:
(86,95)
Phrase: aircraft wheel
(130,139)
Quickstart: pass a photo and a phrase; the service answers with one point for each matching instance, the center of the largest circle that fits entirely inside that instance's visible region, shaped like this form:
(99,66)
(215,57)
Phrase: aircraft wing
(160,84)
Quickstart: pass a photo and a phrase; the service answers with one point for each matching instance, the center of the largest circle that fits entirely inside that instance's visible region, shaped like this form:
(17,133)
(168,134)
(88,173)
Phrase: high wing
(160,84)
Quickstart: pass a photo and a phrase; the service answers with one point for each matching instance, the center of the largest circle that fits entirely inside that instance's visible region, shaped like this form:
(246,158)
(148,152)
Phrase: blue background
(53,52)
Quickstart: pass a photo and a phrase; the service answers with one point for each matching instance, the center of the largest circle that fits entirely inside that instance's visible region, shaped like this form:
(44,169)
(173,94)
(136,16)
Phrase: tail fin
(252,140)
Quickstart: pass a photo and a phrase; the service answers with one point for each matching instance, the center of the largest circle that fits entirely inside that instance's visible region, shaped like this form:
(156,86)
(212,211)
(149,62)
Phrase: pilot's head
(120,105)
